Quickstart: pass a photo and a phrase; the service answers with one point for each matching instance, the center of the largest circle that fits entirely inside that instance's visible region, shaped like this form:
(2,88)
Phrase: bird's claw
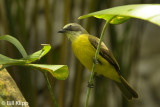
(90,85)
(95,61)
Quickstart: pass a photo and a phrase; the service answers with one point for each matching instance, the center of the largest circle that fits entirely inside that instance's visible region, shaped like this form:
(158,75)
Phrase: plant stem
(50,89)
(96,57)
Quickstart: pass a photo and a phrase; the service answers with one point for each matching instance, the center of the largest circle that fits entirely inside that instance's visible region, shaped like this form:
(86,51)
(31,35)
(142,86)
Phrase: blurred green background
(135,44)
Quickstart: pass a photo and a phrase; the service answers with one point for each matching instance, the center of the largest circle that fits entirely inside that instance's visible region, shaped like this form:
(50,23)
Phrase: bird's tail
(126,89)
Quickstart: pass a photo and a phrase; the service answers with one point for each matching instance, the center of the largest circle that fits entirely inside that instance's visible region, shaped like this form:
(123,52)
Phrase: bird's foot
(90,85)
(95,61)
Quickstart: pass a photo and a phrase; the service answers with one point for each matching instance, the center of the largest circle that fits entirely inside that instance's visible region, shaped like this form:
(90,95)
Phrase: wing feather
(104,52)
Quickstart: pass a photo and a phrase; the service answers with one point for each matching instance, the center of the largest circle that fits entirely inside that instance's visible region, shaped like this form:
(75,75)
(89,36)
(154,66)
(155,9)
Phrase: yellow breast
(85,52)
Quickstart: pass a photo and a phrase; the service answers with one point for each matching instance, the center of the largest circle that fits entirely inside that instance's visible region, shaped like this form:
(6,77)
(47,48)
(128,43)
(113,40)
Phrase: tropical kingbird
(84,47)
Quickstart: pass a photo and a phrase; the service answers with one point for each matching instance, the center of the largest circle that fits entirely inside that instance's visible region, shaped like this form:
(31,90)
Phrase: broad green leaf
(37,55)
(15,42)
(149,12)
(58,71)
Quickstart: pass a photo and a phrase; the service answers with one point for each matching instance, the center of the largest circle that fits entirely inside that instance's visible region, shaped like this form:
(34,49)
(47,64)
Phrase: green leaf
(58,71)
(39,54)
(15,42)
(4,60)
(149,12)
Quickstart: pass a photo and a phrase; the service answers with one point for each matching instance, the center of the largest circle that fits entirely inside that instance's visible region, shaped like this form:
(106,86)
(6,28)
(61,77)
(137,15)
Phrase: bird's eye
(70,27)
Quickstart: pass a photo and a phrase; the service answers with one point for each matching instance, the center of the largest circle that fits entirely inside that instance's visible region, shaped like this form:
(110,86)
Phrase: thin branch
(50,89)
(96,57)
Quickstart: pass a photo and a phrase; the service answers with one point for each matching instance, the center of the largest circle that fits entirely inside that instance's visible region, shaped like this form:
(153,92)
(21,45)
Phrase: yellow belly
(85,52)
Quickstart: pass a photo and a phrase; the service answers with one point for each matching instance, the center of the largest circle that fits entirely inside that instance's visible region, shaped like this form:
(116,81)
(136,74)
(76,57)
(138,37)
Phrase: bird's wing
(104,52)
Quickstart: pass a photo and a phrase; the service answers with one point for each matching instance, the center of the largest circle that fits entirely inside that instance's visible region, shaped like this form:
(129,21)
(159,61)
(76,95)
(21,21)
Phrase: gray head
(73,30)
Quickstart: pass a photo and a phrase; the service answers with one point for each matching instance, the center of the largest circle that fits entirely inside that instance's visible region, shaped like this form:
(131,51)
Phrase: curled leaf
(39,54)
(58,71)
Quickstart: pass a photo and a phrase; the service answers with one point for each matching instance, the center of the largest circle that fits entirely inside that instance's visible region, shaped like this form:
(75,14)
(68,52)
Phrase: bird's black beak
(62,31)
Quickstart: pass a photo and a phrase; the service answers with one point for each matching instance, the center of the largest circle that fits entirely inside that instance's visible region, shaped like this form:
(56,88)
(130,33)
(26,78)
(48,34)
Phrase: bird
(84,48)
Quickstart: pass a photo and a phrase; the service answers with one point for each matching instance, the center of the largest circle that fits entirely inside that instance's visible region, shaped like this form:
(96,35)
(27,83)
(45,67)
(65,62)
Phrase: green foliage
(57,71)
(15,42)
(149,12)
